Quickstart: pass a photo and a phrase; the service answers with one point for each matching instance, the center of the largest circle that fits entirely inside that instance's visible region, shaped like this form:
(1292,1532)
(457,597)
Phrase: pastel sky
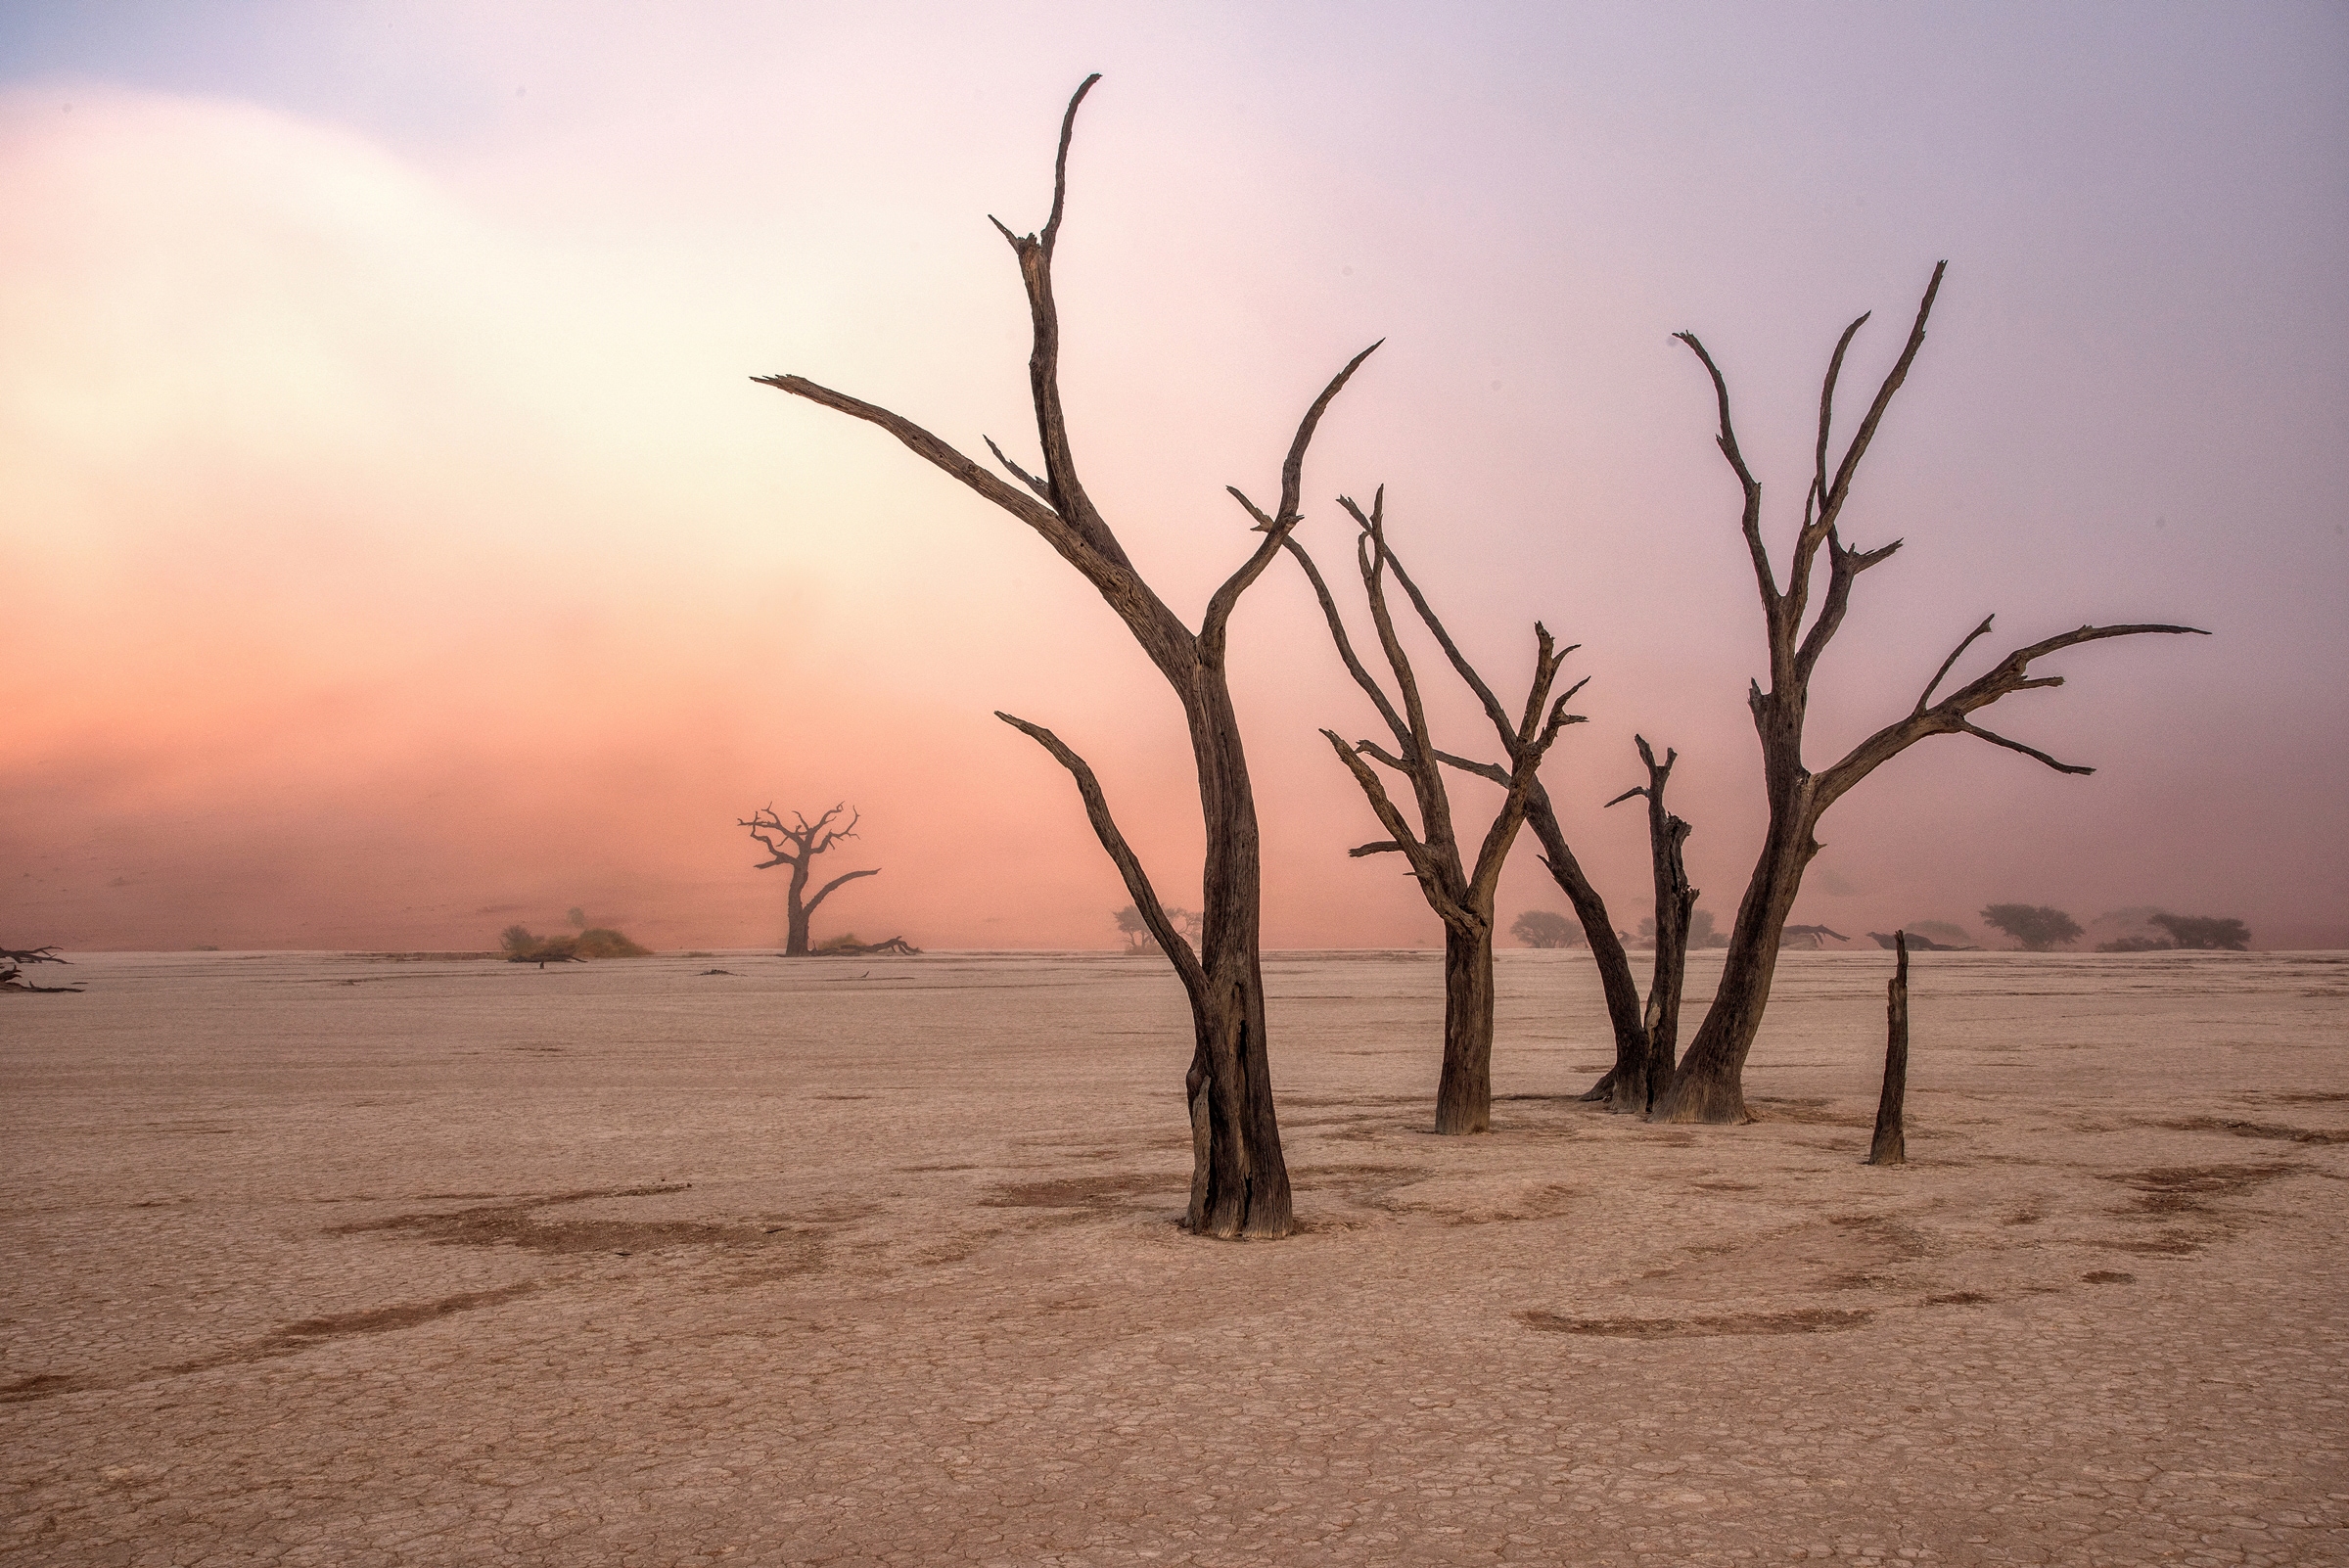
(397,546)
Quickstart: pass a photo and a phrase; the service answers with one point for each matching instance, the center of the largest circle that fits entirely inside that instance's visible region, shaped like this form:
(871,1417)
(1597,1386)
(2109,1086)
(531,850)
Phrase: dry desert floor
(351,1261)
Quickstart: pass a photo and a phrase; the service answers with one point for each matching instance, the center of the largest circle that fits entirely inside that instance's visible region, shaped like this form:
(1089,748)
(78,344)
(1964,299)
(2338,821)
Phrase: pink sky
(399,550)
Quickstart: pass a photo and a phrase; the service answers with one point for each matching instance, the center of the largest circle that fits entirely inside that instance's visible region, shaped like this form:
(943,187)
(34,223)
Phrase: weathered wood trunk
(1464,1091)
(795,912)
(1243,1189)
(1710,1085)
(1890,1145)
(1615,980)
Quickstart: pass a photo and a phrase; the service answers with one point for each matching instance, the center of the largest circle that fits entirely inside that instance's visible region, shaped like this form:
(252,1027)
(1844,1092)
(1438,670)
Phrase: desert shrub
(1701,932)
(2036,926)
(2205,933)
(2136,944)
(602,941)
(845,939)
(518,940)
(1544,928)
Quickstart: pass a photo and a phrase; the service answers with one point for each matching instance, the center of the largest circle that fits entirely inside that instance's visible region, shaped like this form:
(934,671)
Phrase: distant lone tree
(1709,1085)
(1543,928)
(2204,933)
(2037,927)
(796,844)
(1239,1176)
(1137,928)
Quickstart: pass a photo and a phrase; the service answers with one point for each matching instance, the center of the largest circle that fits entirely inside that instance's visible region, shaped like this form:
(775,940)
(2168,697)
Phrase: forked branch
(1951,714)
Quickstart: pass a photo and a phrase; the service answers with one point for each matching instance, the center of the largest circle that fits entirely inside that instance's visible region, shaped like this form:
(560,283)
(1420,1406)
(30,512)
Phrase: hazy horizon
(401,550)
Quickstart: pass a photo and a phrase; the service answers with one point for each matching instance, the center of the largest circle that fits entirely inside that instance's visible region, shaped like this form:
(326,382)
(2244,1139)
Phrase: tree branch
(1130,866)
(1951,715)
(1337,632)
(1492,771)
(1424,864)
(845,876)
(1971,637)
(1277,527)
(1726,441)
(1043,490)
(2018,746)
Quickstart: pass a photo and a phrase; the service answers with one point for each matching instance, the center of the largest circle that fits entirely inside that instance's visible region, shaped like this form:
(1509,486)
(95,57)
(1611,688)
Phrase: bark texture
(1462,896)
(796,844)
(1890,1145)
(1710,1083)
(1240,1182)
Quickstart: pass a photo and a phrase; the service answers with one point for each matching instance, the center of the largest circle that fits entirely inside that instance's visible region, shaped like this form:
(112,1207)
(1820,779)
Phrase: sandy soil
(337,1259)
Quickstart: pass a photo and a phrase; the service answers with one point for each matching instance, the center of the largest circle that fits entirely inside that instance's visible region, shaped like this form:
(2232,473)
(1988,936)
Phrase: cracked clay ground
(352,1262)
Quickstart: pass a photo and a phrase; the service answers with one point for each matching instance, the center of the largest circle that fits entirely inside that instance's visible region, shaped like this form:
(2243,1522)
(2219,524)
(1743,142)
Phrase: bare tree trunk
(1890,1146)
(1464,1091)
(1615,980)
(1651,1076)
(795,912)
(1248,1177)
(1710,1085)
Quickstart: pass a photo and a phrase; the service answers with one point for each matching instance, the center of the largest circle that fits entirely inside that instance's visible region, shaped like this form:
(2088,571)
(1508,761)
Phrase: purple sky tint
(400,549)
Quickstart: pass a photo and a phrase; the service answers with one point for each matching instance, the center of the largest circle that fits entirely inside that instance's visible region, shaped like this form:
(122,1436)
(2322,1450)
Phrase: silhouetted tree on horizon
(796,844)
(2204,933)
(1545,928)
(2037,927)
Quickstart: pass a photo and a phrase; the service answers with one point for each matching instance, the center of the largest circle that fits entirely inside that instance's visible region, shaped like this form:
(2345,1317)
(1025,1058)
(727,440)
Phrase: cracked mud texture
(807,1263)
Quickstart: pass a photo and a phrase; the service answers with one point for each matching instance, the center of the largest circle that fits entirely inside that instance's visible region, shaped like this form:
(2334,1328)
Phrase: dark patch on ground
(1958,1298)
(291,1340)
(2256,1130)
(517,1224)
(1805,1110)
(41,1385)
(2108,1277)
(1804,1321)
(2210,1180)
(1082,1192)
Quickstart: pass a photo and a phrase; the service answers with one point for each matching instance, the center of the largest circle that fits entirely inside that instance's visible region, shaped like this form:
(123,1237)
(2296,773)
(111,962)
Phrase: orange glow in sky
(398,549)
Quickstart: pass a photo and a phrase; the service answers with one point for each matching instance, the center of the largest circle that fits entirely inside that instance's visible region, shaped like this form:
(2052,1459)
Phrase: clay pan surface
(356,1260)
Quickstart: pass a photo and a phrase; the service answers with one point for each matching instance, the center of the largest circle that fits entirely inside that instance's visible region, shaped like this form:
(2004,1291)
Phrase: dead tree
(1709,1085)
(796,844)
(1638,1082)
(12,977)
(1239,1181)
(1890,1145)
(1462,899)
